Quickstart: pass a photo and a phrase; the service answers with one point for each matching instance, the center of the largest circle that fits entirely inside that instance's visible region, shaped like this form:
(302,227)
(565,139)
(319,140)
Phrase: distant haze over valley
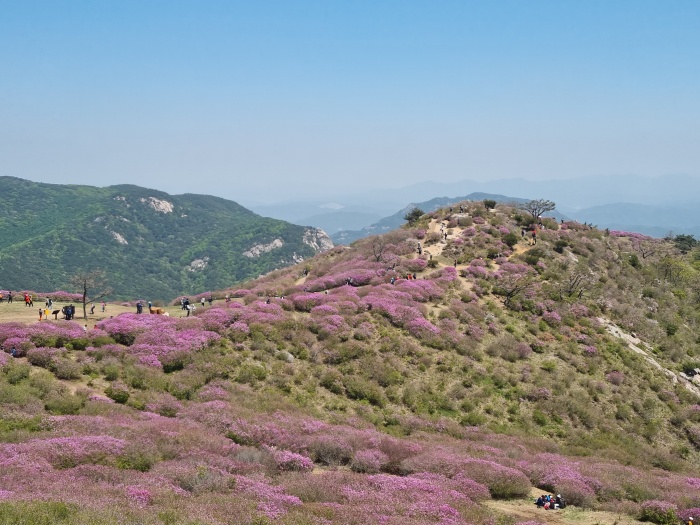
(649,205)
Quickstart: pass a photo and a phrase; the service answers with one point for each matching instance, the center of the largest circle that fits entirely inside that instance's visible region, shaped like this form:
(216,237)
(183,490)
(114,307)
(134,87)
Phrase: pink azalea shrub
(369,461)
(616,378)
(659,512)
(291,461)
(551,318)
(142,497)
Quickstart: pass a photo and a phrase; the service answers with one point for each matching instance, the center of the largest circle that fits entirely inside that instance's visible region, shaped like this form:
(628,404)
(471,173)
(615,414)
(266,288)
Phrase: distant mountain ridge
(649,205)
(150,243)
(396,220)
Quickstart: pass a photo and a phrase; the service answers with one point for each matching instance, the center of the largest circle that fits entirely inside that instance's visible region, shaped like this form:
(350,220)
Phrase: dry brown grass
(18,312)
(525,510)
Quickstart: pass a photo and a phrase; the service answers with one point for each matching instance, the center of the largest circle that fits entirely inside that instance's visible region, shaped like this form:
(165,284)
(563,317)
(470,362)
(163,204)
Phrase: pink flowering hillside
(426,376)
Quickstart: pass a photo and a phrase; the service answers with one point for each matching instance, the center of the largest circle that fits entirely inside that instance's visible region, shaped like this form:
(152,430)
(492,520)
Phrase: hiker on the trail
(393,280)
(522,232)
(13,352)
(139,308)
(202,301)
(415,276)
(46,314)
(9,297)
(50,301)
(150,305)
(690,521)
(455,263)
(41,313)
(445,235)
(188,308)
(92,309)
(534,236)
(104,306)
(211,299)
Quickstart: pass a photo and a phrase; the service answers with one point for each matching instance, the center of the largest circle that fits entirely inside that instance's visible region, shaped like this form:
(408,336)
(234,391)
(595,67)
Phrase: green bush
(533,256)
(332,380)
(659,512)
(63,403)
(251,374)
(361,389)
(539,418)
(16,372)
(117,392)
(136,458)
(511,239)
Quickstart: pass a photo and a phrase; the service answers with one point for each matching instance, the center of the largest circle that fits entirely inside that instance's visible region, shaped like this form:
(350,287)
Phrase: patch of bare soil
(525,510)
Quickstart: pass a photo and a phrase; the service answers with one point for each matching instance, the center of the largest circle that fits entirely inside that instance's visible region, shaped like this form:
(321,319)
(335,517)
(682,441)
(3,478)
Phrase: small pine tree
(413,216)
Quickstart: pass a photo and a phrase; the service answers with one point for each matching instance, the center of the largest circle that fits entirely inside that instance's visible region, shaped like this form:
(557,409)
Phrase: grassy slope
(619,420)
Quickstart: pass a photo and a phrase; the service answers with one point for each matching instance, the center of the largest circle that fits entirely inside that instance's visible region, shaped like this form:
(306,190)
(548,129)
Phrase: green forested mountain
(150,244)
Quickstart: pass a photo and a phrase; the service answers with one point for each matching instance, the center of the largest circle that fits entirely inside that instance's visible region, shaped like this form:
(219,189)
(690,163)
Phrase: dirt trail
(17,312)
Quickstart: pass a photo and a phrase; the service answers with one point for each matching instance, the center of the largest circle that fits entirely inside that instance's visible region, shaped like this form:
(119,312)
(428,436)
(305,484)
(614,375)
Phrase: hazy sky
(259,100)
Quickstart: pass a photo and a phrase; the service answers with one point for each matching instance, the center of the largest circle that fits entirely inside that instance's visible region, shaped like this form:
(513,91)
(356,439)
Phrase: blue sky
(258,100)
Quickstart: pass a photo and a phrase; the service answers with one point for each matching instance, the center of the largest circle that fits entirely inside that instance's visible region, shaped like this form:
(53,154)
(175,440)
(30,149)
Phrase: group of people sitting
(549,502)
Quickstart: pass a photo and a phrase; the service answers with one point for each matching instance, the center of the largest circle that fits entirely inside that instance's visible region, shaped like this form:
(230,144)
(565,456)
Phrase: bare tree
(645,248)
(537,207)
(513,283)
(575,283)
(93,282)
(379,245)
